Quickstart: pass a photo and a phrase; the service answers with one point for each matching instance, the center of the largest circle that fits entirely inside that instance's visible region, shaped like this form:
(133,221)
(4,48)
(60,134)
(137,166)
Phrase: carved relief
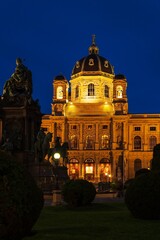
(73,136)
(89,136)
(59,130)
(119,133)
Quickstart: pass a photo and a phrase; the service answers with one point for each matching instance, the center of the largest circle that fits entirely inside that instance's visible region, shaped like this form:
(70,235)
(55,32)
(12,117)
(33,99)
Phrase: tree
(155,166)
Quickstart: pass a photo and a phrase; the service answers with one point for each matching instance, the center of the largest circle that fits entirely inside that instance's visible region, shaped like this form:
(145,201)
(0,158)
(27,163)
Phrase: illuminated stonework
(106,143)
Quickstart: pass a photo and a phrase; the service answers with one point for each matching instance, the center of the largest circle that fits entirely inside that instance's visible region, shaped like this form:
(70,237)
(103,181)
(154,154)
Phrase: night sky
(51,35)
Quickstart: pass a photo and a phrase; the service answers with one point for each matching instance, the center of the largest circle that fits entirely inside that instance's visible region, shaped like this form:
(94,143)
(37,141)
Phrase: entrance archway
(105,170)
(89,169)
(73,168)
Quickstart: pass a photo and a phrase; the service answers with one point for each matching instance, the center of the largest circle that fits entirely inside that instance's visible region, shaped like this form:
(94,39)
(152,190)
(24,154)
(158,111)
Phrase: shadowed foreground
(109,221)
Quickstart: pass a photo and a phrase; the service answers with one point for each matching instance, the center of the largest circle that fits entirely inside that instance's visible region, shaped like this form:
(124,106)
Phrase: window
(119,92)
(137,128)
(152,128)
(77,92)
(73,127)
(77,64)
(106,91)
(137,143)
(104,142)
(89,142)
(152,142)
(106,64)
(91,61)
(91,89)
(73,142)
(137,164)
(105,127)
(59,92)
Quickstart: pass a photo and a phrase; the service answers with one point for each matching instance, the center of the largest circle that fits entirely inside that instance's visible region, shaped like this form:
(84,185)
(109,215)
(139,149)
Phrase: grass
(100,221)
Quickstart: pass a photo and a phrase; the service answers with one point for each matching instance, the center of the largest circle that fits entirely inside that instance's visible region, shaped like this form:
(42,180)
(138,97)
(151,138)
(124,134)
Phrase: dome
(60,77)
(119,76)
(93,64)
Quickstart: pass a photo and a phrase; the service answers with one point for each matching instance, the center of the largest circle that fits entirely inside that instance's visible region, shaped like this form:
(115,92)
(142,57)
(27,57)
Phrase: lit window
(77,64)
(91,89)
(91,61)
(106,91)
(152,142)
(137,142)
(77,92)
(104,142)
(106,64)
(59,92)
(89,169)
(119,92)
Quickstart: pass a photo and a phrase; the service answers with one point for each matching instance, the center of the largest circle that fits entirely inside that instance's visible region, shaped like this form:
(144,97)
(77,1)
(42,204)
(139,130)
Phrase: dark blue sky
(51,35)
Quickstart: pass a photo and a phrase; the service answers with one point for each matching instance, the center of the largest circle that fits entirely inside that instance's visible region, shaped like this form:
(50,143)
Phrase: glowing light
(89,169)
(57,156)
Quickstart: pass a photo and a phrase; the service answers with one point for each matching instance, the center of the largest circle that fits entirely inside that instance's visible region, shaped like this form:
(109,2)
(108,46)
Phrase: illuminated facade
(90,112)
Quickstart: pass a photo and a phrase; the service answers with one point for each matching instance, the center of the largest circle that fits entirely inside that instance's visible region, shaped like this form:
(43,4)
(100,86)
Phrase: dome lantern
(93,49)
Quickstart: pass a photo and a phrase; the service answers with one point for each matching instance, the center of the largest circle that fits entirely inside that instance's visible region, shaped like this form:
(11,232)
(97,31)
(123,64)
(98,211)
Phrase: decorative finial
(93,49)
(93,39)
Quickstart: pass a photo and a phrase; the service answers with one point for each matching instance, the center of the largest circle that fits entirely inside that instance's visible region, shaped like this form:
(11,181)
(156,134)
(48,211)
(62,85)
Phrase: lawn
(109,221)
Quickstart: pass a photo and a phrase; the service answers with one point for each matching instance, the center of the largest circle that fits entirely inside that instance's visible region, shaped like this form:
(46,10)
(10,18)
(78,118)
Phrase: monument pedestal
(20,123)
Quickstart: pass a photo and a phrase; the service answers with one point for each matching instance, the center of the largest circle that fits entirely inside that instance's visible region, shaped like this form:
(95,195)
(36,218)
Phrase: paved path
(100,198)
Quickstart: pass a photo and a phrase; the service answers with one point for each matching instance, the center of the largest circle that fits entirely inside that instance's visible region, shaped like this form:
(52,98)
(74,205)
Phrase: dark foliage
(21,200)
(128,182)
(143,196)
(78,192)
(141,171)
(155,166)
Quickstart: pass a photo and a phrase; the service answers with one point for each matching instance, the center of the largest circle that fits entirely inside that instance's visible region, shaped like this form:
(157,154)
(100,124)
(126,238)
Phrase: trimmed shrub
(21,200)
(128,182)
(142,196)
(141,171)
(78,192)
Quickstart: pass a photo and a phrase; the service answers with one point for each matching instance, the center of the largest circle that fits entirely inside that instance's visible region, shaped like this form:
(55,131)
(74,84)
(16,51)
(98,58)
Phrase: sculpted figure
(20,82)
(38,145)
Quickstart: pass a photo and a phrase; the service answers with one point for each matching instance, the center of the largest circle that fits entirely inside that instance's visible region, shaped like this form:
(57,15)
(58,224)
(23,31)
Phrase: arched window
(137,164)
(152,142)
(89,169)
(106,91)
(119,91)
(91,89)
(59,92)
(73,167)
(137,142)
(77,92)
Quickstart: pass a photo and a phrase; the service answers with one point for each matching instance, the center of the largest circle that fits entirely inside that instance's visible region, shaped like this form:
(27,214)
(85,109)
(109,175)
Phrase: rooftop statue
(20,82)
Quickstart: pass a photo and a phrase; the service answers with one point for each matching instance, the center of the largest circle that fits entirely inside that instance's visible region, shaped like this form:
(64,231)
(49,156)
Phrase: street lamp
(56,157)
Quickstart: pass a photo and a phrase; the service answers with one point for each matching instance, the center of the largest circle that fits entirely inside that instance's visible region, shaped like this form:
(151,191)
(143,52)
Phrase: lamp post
(56,157)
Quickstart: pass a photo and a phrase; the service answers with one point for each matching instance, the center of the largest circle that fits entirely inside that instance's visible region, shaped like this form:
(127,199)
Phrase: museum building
(90,113)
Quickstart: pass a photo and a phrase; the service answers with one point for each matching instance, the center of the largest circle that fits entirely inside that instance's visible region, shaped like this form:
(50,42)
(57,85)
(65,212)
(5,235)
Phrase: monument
(20,115)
